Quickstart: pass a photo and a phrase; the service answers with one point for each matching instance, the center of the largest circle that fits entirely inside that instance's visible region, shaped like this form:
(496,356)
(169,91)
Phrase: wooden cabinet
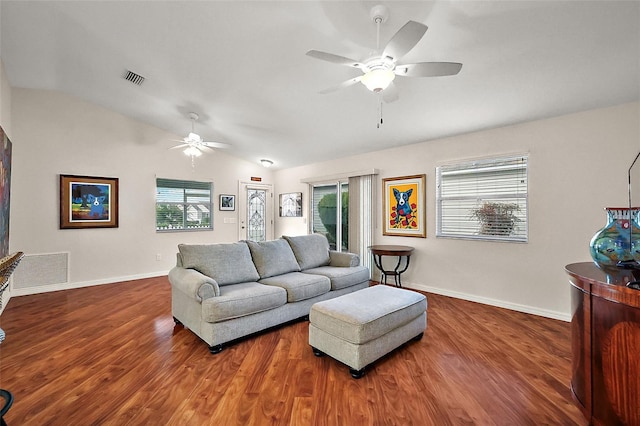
(605,333)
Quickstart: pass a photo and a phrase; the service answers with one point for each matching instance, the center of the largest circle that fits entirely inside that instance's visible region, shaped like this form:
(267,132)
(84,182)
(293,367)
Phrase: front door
(256,212)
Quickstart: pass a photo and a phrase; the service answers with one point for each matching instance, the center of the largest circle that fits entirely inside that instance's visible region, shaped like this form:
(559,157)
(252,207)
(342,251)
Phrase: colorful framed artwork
(291,204)
(88,202)
(404,208)
(227,202)
(5,196)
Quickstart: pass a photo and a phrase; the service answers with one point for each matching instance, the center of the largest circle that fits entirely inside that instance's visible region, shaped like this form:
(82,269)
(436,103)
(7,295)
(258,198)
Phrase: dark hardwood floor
(111,355)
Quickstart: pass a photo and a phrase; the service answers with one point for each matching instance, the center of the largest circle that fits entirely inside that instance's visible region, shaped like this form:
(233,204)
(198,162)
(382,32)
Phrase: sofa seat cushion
(225,263)
(243,299)
(272,257)
(311,251)
(300,286)
(342,277)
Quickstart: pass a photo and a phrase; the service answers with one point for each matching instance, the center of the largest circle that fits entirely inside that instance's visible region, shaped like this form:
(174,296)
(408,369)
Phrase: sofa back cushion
(225,263)
(311,251)
(273,257)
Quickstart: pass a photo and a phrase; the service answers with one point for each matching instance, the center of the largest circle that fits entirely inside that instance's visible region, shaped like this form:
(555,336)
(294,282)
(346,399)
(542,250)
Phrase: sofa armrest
(193,283)
(343,259)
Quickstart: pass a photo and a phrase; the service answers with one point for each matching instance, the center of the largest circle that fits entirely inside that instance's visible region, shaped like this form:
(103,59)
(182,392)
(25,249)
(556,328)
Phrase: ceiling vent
(136,79)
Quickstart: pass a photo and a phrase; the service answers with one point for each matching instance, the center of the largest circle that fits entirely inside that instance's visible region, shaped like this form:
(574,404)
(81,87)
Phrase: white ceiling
(242,66)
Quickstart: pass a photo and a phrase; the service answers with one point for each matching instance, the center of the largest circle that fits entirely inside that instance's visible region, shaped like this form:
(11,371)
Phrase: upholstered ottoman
(360,327)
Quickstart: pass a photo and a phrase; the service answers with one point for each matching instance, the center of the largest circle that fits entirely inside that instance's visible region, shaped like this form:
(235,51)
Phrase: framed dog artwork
(404,208)
(88,202)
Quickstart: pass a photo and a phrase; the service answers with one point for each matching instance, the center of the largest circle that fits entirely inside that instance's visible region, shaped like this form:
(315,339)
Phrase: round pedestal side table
(401,252)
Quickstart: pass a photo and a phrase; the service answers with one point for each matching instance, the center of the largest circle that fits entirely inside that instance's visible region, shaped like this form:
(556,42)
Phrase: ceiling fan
(380,69)
(194,144)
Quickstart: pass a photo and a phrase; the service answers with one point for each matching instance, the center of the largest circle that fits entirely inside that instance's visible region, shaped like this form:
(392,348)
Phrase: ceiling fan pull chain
(380,123)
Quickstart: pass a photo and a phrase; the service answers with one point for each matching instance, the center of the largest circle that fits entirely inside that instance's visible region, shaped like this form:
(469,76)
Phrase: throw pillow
(311,251)
(225,263)
(273,258)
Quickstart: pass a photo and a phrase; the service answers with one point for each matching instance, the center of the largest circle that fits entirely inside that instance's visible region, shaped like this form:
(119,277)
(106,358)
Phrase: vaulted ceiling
(241,65)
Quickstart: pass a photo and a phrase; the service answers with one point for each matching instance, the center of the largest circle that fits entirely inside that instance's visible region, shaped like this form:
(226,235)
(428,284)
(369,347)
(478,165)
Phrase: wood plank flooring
(111,355)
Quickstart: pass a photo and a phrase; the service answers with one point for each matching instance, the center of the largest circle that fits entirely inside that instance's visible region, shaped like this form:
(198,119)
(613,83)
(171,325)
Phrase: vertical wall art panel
(5,189)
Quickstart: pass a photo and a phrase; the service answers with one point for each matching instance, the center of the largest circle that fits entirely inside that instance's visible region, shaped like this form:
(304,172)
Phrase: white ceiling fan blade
(204,148)
(404,40)
(342,85)
(215,145)
(390,94)
(336,59)
(428,69)
(180,146)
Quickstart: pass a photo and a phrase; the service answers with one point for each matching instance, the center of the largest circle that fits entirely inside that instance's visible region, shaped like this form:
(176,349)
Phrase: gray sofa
(222,292)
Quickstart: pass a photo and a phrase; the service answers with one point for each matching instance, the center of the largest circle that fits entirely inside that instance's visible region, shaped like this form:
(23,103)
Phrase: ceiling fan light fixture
(192,151)
(378,79)
(266,163)
(193,137)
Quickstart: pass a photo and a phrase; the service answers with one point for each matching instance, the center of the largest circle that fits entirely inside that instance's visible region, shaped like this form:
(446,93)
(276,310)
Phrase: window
(483,199)
(183,205)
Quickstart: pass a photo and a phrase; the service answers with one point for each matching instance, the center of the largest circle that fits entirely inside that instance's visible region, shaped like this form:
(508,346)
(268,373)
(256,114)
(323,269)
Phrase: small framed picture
(291,204)
(88,202)
(227,202)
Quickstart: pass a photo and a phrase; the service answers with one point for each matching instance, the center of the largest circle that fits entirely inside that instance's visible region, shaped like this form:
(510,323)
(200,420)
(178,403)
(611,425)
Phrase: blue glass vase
(618,243)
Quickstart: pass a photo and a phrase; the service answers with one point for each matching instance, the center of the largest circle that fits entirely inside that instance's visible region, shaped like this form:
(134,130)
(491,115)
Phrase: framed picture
(404,209)
(291,204)
(227,202)
(5,188)
(88,202)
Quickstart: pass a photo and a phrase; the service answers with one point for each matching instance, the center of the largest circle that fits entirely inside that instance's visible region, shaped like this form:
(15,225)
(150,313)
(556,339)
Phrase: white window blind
(483,199)
(183,205)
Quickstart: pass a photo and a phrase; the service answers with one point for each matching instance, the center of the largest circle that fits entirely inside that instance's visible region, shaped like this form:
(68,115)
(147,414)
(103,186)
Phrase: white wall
(577,166)
(57,134)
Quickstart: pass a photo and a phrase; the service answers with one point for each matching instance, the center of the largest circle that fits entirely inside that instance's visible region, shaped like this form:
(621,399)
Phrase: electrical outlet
(158,256)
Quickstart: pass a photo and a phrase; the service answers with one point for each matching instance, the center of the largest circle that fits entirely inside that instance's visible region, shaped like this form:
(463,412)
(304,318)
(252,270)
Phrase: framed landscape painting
(88,202)
(404,209)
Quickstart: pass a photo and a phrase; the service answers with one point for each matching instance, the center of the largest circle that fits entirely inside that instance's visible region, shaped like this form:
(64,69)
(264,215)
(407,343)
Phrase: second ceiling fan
(380,69)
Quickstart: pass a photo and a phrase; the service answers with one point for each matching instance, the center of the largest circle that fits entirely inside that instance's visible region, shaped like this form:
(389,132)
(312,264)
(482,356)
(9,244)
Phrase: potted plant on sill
(496,218)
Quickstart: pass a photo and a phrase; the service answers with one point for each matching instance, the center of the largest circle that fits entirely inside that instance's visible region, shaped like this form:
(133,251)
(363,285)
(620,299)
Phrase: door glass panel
(344,236)
(256,214)
(324,212)
(326,219)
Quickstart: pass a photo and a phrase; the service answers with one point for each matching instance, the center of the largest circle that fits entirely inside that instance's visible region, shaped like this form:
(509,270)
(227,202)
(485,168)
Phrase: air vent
(37,270)
(136,79)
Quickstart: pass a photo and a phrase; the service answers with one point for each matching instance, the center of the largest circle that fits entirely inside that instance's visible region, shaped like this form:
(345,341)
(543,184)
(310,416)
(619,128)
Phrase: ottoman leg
(356,374)
(317,352)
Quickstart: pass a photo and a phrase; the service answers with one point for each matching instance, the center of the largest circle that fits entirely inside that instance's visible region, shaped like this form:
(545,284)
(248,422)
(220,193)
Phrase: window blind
(484,199)
(183,205)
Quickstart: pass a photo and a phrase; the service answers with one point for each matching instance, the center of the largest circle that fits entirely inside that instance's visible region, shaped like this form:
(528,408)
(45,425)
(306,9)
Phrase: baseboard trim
(492,302)
(68,286)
